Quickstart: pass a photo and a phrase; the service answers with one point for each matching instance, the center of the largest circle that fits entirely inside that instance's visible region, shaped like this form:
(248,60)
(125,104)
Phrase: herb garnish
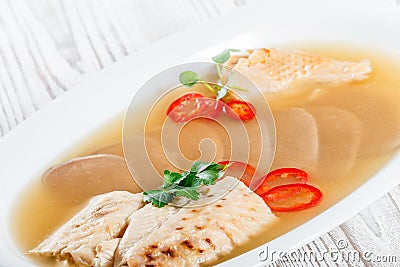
(190,78)
(224,56)
(185,184)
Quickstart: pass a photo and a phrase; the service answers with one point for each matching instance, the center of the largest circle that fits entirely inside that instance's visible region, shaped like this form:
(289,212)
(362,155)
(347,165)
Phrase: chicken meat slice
(141,223)
(198,233)
(274,70)
(92,236)
(105,252)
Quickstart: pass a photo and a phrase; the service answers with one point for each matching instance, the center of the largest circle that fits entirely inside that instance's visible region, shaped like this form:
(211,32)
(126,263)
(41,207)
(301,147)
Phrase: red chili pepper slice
(192,106)
(240,109)
(292,197)
(282,176)
(238,168)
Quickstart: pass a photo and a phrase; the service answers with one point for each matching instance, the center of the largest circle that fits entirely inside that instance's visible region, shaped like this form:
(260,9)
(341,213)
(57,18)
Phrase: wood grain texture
(47,46)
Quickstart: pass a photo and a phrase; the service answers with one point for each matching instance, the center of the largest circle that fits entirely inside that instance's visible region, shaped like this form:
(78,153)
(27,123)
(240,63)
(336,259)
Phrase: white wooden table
(47,46)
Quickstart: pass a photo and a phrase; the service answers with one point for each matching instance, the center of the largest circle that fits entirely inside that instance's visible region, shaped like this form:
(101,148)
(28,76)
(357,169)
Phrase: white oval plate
(36,144)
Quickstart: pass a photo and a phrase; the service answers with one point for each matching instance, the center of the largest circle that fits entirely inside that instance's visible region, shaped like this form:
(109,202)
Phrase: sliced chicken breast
(105,252)
(118,229)
(92,235)
(274,70)
(141,223)
(198,234)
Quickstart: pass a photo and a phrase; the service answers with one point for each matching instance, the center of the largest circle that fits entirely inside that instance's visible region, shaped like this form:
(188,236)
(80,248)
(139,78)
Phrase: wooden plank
(48,46)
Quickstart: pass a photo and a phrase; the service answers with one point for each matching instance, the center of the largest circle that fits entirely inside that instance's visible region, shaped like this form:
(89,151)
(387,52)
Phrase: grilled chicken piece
(198,233)
(105,252)
(141,223)
(274,70)
(91,236)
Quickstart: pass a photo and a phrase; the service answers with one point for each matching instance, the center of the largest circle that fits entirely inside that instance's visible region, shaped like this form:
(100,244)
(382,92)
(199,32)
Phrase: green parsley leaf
(185,184)
(159,198)
(223,56)
(190,180)
(199,166)
(189,78)
(211,174)
(171,178)
(209,177)
(188,192)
